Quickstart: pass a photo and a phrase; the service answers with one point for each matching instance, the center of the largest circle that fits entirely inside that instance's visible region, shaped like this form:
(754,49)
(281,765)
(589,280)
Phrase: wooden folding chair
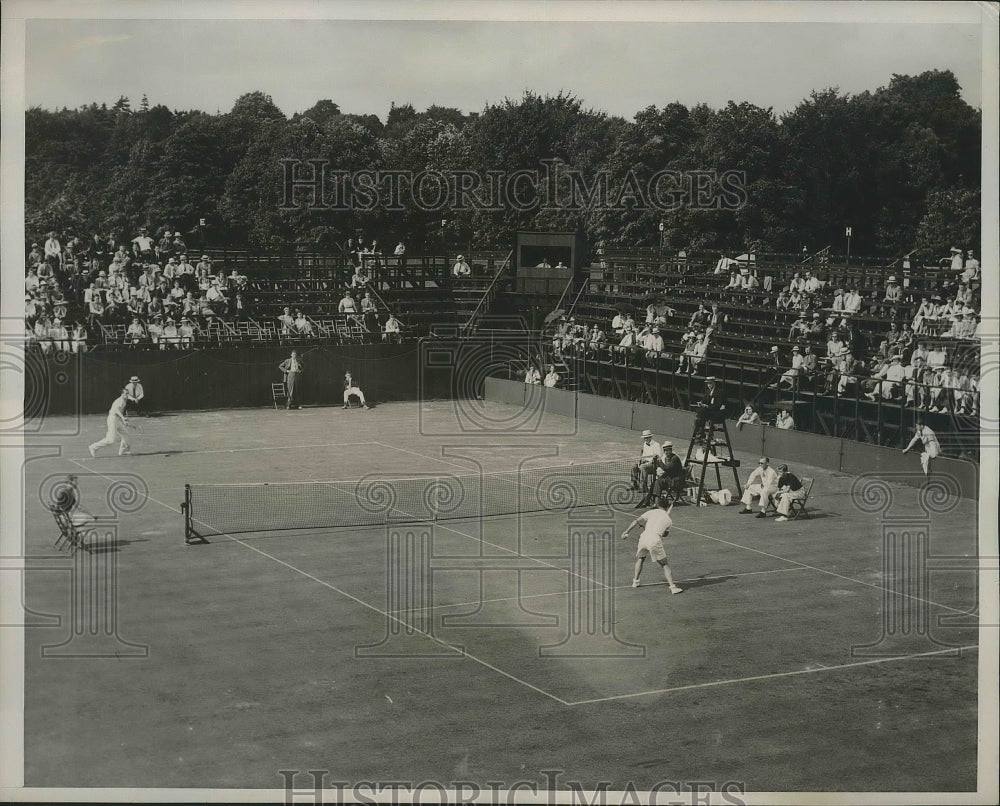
(796,508)
(278,393)
(69,536)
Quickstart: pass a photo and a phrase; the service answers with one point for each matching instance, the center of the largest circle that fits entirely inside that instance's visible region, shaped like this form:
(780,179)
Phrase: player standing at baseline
(117,426)
(656,526)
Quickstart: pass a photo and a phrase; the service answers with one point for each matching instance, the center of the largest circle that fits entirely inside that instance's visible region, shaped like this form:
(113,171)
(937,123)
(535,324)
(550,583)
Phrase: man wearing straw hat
(134,395)
(650,458)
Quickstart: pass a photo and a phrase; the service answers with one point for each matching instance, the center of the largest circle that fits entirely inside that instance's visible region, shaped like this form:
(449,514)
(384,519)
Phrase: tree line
(900,165)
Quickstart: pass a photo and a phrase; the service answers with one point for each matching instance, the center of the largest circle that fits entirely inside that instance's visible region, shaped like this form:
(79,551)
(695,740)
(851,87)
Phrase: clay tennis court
(295,649)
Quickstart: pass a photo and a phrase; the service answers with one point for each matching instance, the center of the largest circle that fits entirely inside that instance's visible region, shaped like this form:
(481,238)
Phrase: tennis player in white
(350,389)
(656,526)
(117,426)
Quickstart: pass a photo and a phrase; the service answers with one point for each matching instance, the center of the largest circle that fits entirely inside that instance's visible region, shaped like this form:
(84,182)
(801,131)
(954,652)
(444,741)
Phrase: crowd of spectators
(149,291)
(838,340)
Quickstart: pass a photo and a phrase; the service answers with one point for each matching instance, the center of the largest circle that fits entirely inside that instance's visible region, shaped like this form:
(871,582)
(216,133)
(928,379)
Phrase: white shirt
(533,376)
(653,448)
(658,523)
(552,379)
(931,445)
(764,476)
(117,410)
(785,422)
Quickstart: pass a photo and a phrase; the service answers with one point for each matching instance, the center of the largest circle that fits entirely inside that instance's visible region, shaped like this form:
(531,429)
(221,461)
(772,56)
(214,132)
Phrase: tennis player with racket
(117,426)
(656,526)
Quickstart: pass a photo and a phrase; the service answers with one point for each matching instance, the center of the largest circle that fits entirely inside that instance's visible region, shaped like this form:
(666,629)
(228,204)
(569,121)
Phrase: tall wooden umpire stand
(709,423)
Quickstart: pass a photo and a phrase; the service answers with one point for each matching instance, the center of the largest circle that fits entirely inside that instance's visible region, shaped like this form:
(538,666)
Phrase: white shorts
(651,546)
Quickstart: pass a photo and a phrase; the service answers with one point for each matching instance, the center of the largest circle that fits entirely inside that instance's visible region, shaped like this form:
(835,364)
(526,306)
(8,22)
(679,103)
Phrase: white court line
(770,676)
(586,590)
(820,570)
(406,625)
(422,455)
(240,450)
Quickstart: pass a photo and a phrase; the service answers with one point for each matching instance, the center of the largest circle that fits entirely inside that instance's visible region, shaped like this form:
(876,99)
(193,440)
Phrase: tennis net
(378,499)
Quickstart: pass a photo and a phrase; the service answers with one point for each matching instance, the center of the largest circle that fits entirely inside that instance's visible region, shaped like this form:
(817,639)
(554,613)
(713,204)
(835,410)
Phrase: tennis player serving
(656,526)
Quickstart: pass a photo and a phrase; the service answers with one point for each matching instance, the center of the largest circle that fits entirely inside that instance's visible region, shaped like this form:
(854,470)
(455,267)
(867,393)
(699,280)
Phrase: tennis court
(491,649)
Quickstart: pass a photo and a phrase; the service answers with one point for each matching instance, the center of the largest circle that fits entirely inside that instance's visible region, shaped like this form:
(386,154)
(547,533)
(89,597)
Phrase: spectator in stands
(136,333)
(53,254)
(852,300)
(716,319)
(810,284)
(970,272)
(914,381)
(937,356)
(360,278)
(653,344)
(170,337)
(393,329)
(796,283)
(925,312)
(749,280)
(186,333)
(155,329)
(782,300)
(369,310)
(699,318)
(165,247)
(629,340)
(400,249)
(533,376)
(724,264)
(95,310)
(700,350)
(748,417)
(817,328)
(964,326)
(595,339)
(461,267)
(784,420)
(204,266)
(552,378)
(155,306)
(800,328)
(216,299)
(78,338)
(177,245)
(893,374)
(347,304)
(809,362)
(791,375)
(36,256)
(303,327)
(734,282)
(956,262)
(286,322)
(31,281)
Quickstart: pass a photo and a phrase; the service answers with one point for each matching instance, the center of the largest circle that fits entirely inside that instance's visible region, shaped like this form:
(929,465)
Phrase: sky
(364,66)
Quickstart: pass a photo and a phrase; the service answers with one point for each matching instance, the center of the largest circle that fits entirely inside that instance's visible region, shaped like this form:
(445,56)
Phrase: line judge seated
(651,457)
(671,477)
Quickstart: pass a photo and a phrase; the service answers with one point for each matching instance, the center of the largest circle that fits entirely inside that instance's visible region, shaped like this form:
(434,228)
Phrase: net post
(190,533)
